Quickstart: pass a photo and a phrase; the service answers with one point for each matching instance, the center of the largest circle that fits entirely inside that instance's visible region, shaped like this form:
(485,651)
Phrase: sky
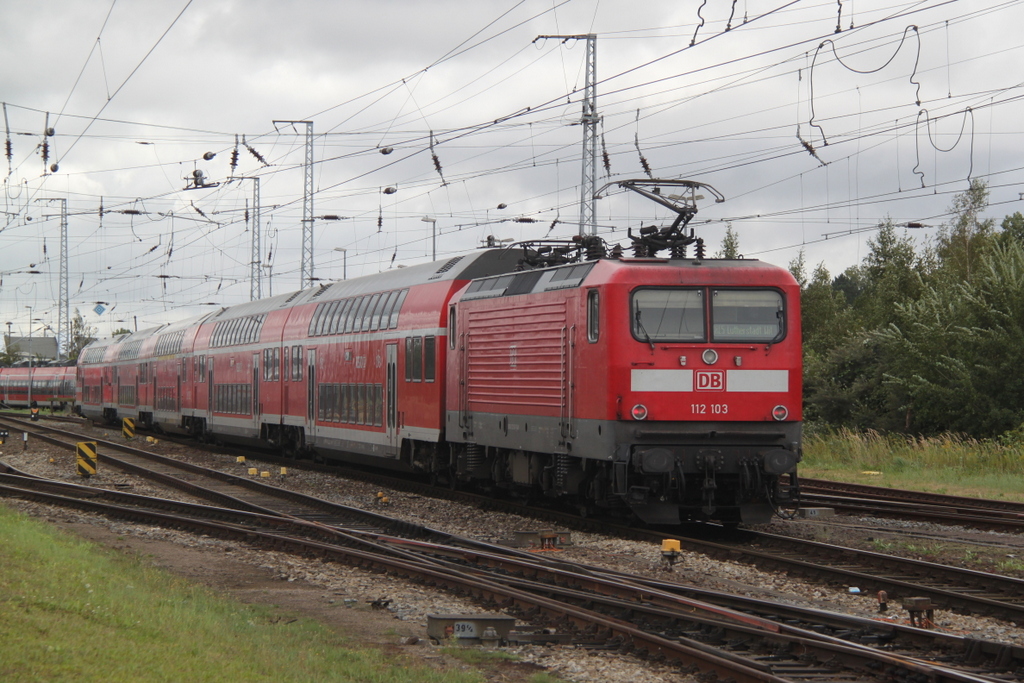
(815,120)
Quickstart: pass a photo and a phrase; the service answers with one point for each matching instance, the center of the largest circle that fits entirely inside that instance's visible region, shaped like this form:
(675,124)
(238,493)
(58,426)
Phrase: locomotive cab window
(593,317)
(668,315)
(747,315)
(451,327)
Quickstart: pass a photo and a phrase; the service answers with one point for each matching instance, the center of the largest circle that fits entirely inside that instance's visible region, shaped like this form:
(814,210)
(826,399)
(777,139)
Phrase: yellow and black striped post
(87,458)
(128,428)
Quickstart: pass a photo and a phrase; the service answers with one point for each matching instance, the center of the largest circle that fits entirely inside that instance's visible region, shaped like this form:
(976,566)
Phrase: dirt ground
(250,584)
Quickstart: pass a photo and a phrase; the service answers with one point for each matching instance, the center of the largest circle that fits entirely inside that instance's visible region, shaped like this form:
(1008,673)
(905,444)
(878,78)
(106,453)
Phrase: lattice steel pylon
(307,207)
(589,121)
(255,264)
(63,303)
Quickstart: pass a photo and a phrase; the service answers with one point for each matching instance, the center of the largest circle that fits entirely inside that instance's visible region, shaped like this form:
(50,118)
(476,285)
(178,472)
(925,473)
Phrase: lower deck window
(234,399)
(359,404)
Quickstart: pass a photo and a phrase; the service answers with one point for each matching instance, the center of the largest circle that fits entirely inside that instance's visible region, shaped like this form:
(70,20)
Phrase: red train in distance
(665,387)
(47,386)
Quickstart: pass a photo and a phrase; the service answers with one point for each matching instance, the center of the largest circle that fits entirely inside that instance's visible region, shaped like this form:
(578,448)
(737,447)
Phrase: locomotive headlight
(780,413)
(710,356)
(639,412)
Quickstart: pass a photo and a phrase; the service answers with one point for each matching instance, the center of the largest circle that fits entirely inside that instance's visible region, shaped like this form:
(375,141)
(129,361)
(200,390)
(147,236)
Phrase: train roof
(465,267)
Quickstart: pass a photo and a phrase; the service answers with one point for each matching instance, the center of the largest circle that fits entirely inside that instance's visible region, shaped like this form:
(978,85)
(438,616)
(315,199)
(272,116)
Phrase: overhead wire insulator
(605,158)
(256,155)
(437,162)
(234,157)
(643,160)
(9,146)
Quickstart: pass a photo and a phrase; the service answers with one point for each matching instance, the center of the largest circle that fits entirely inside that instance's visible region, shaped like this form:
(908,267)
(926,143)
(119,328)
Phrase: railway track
(877,501)
(702,630)
(949,588)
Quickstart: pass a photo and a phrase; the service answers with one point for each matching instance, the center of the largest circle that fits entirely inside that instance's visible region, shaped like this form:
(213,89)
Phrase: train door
(257,407)
(391,396)
(209,389)
(311,397)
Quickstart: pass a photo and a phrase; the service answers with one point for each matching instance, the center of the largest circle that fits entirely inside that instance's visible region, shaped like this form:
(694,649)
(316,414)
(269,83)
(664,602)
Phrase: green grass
(70,611)
(947,464)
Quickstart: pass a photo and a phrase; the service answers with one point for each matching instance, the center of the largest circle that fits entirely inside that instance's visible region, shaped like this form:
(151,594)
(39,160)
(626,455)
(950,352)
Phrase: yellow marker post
(87,458)
(265,474)
(128,428)
(252,471)
(240,458)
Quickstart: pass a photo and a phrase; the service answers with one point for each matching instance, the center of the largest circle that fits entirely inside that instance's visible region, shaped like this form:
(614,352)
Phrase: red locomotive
(666,386)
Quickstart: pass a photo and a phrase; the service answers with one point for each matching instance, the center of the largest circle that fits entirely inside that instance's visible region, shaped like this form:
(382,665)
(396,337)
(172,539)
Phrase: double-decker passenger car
(46,386)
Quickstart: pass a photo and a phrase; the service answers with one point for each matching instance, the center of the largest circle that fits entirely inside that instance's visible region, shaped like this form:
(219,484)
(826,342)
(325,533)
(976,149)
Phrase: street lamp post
(344,262)
(29,356)
(433,236)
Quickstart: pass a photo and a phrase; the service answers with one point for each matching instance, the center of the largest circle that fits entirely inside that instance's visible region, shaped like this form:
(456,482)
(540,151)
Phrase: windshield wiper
(640,327)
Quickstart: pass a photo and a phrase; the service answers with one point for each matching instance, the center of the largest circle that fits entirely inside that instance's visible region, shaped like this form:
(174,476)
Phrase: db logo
(710,380)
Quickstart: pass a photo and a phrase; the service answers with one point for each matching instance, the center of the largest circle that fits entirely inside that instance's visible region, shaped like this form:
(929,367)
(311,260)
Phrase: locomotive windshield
(746,315)
(678,315)
(668,315)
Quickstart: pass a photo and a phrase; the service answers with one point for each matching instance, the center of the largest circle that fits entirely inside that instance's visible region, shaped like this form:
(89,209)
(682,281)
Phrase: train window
(408,359)
(349,415)
(361,405)
(414,359)
(386,304)
(593,317)
(373,312)
(357,322)
(323,326)
(337,313)
(397,308)
(429,361)
(451,327)
(378,404)
(338,326)
(201,375)
(368,312)
(746,315)
(668,315)
(296,363)
(350,316)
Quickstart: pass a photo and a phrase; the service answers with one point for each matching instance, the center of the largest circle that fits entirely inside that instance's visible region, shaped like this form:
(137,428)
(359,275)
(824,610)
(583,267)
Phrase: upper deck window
(668,315)
(746,315)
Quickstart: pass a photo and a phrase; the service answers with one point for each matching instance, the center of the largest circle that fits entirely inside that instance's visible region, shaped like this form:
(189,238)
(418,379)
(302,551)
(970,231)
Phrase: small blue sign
(99,309)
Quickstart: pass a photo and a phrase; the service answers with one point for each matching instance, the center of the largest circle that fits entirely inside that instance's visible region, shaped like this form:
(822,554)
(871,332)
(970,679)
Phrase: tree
(730,244)
(82,335)
(955,354)
(961,245)
(10,355)
(826,318)
(798,269)
(889,276)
